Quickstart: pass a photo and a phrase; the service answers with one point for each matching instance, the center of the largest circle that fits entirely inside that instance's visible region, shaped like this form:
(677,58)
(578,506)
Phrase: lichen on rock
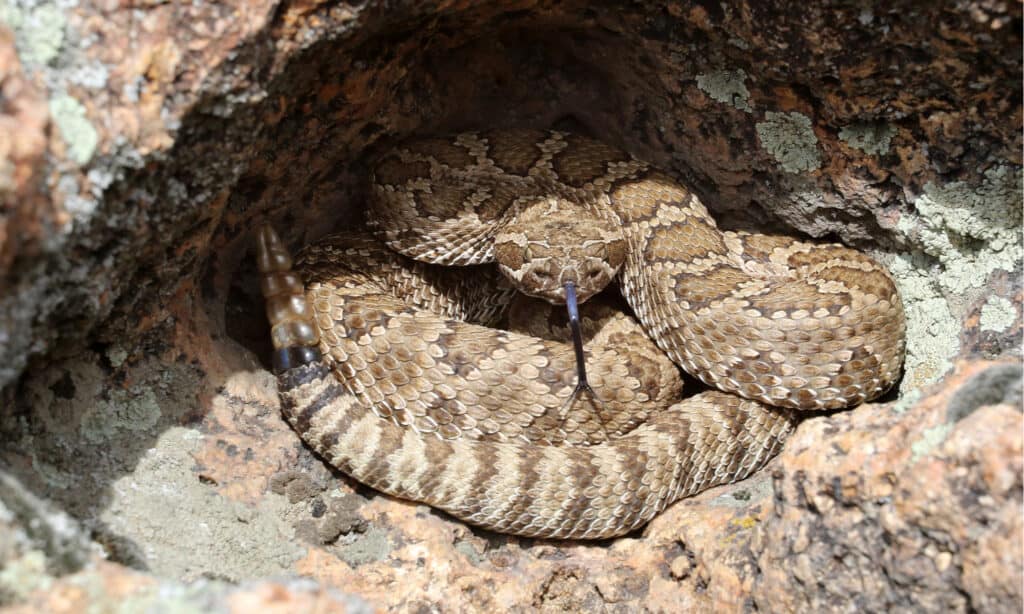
(932,330)
(727,86)
(971,230)
(40,542)
(998,314)
(123,413)
(79,134)
(38,26)
(789,138)
(871,138)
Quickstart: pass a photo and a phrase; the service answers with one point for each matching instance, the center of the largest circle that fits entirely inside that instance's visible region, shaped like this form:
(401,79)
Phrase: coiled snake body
(390,367)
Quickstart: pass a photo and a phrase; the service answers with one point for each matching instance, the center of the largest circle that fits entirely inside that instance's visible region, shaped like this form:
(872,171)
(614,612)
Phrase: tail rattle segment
(292,331)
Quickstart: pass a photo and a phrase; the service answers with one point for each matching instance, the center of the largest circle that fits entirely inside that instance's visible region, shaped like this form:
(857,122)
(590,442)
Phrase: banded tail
(292,331)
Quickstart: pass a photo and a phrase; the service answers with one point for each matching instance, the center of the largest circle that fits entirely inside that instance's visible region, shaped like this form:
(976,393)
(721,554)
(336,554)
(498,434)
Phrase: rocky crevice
(140,150)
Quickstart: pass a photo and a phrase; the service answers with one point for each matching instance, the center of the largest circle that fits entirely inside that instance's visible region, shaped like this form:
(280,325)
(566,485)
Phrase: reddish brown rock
(110,587)
(885,510)
(26,216)
(887,506)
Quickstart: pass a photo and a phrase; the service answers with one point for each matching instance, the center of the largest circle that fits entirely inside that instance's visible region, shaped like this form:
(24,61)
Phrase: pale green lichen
(971,231)
(38,29)
(997,314)
(116,356)
(126,412)
(726,86)
(22,576)
(789,138)
(929,440)
(74,126)
(172,598)
(932,330)
(906,401)
(870,138)
(10,15)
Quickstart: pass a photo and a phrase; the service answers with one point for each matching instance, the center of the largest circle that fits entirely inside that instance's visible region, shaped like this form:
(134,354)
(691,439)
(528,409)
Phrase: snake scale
(391,364)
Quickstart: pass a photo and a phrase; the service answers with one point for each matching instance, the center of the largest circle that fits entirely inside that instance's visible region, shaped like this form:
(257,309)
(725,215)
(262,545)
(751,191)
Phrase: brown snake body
(390,368)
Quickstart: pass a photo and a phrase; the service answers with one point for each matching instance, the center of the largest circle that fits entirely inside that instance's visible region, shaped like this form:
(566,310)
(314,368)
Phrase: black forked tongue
(582,385)
(577,338)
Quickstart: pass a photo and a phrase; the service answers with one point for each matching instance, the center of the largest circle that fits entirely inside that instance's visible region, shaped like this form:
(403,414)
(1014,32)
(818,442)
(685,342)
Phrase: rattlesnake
(389,365)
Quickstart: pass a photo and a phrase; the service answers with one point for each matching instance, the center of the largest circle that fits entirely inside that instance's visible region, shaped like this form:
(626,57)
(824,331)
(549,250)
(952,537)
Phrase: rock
(139,151)
(680,567)
(110,587)
(916,510)
(36,542)
(25,212)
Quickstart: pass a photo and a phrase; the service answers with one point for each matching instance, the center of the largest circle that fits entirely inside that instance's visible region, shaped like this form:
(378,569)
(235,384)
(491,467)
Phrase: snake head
(544,249)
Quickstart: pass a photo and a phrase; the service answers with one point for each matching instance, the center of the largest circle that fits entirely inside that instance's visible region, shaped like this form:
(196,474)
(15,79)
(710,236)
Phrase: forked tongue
(582,385)
(577,337)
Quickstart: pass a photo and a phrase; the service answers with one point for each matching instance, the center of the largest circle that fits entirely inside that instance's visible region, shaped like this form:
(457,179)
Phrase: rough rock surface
(140,145)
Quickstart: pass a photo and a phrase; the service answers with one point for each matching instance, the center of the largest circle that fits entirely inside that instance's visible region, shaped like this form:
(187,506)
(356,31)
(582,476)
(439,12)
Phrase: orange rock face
(25,215)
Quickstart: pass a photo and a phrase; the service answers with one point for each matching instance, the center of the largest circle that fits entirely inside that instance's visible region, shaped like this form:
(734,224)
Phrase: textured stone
(140,148)
(885,510)
(107,587)
(25,213)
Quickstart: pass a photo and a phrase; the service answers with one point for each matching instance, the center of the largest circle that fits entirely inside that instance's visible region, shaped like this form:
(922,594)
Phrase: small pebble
(680,567)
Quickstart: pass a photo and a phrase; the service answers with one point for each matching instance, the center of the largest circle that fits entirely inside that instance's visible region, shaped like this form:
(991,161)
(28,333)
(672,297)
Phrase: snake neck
(292,331)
